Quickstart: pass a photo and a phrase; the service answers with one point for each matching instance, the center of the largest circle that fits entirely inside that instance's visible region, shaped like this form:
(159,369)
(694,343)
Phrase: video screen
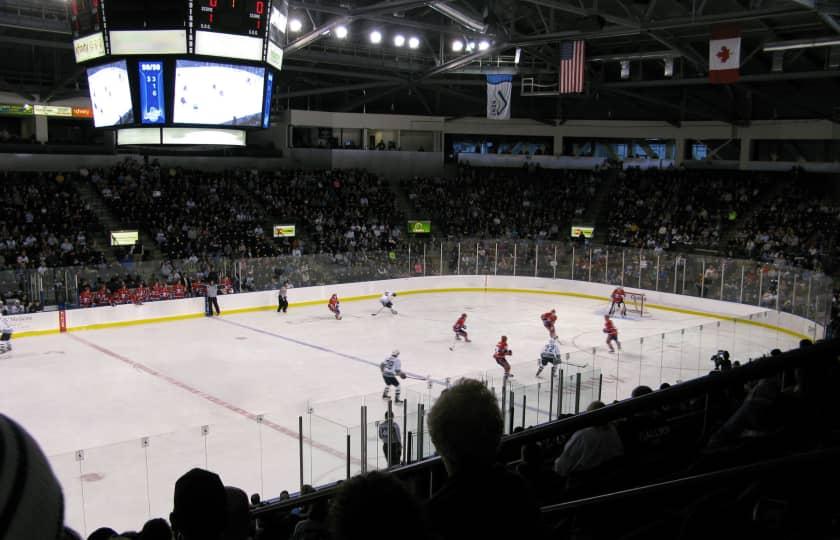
(210,93)
(152,104)
(269,88)
(124,238)
(110,94)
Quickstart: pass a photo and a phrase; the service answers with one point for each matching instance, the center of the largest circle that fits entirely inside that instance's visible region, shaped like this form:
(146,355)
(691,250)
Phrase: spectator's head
(102,533)
(255,499)
(238,519)
(531,454)
(641,391)
(31,502)
(595,405)
(284,495)
(200,510)
(466,426)
(664,385)
(156,529)
(805,343)
(380,499)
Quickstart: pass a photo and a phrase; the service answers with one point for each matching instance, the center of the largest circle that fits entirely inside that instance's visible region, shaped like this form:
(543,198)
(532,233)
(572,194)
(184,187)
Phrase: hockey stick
(579,366)
(377,313)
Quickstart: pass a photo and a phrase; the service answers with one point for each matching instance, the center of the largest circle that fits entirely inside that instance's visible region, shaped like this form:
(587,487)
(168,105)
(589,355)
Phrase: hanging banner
(499,89)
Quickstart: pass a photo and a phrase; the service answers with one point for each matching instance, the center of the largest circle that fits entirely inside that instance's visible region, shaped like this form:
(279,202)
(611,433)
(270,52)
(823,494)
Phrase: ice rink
(145,403)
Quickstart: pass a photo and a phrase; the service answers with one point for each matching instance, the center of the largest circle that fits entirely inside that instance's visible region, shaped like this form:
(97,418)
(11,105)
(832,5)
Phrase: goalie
(391,368)
(618,302)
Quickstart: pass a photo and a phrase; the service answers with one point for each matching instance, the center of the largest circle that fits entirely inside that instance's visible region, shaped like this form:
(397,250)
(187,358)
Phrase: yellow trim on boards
(172,318)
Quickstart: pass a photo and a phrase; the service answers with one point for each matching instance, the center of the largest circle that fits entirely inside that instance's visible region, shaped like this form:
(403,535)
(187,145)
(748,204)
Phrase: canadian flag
(724,55)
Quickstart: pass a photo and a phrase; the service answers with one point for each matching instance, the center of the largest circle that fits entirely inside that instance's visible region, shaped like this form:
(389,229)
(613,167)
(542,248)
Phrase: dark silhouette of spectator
(200,508)
(103,533)
(238,520)
(376,506)
(589,447)
(465,425)
(314,524)
(31,501)
(156,529)
(544,482)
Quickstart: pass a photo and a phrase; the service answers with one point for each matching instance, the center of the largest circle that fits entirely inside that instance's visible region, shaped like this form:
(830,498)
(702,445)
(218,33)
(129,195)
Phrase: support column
(746,147)
(679,151)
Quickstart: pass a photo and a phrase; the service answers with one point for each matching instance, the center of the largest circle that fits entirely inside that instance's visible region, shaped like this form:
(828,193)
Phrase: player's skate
(393,311)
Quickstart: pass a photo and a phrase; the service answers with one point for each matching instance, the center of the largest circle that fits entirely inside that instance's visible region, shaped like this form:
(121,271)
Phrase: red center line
(213,399)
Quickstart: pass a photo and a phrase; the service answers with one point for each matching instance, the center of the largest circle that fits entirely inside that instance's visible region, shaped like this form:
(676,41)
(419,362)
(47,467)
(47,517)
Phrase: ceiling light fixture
(413,42)
(376,37)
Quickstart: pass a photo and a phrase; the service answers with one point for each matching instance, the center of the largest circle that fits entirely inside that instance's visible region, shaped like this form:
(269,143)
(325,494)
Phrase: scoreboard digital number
(239,17)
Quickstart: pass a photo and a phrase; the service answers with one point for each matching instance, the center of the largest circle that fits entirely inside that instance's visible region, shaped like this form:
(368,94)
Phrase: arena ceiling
(323,72)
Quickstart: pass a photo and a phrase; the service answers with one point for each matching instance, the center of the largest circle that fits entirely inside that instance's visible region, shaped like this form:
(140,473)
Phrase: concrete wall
(171,310)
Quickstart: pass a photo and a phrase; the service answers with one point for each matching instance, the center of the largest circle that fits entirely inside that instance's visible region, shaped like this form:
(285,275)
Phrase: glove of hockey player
(403,375)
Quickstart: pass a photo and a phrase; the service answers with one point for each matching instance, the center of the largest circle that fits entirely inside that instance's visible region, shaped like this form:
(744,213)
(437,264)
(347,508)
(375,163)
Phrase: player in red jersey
(178,290)
(121,295)
(612,333)
(226,285)
(460,329)
(335,306)
(618,301)
(86,298)
(499,354)
(548,320)
(140,294)
(102,297)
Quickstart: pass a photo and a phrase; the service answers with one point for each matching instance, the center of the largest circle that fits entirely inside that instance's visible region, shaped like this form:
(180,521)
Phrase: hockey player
(460,329)
(86,298)
(391,368)
(5,336)
(502,350)
(612,333)
(548,320)
(550,355)
(335,306)
(387,301)
(618,301)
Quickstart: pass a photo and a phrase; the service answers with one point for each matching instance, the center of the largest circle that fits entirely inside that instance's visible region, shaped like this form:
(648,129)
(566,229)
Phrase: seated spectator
(31,501)
(200,509)
(466,427)
(238,519)
(156,529)
(589,447)
(376,506)
(544,482)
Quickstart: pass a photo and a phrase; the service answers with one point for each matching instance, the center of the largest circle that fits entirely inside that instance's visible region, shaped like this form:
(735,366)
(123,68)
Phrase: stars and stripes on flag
(725,55)
(572,62)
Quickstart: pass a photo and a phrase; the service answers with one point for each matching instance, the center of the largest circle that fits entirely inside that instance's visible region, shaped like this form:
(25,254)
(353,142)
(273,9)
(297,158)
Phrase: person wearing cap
(200,506)
(391,444)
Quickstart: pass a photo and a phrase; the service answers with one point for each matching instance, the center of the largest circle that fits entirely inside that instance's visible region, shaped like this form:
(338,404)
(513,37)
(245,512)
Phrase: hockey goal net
(635,303)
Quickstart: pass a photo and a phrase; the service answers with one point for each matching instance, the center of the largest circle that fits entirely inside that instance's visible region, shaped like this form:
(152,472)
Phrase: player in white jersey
(387,301)
(391,368)
(550,355)
(5,336)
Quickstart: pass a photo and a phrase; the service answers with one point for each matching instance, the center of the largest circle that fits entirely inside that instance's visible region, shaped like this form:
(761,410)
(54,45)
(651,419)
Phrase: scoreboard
(180,71)
(246,17)
(218,28)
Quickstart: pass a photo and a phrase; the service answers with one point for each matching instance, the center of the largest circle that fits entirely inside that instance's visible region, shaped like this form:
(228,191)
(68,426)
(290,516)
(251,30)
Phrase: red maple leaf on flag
(724,54)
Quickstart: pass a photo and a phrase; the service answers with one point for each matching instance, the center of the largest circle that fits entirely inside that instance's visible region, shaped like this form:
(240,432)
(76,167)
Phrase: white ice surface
(103,391)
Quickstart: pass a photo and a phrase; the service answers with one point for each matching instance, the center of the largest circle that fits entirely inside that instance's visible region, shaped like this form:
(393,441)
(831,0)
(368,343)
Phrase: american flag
(572,61)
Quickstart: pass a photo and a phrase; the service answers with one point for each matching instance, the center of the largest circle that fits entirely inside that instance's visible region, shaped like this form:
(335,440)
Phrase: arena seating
(45,223)
(504,203)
